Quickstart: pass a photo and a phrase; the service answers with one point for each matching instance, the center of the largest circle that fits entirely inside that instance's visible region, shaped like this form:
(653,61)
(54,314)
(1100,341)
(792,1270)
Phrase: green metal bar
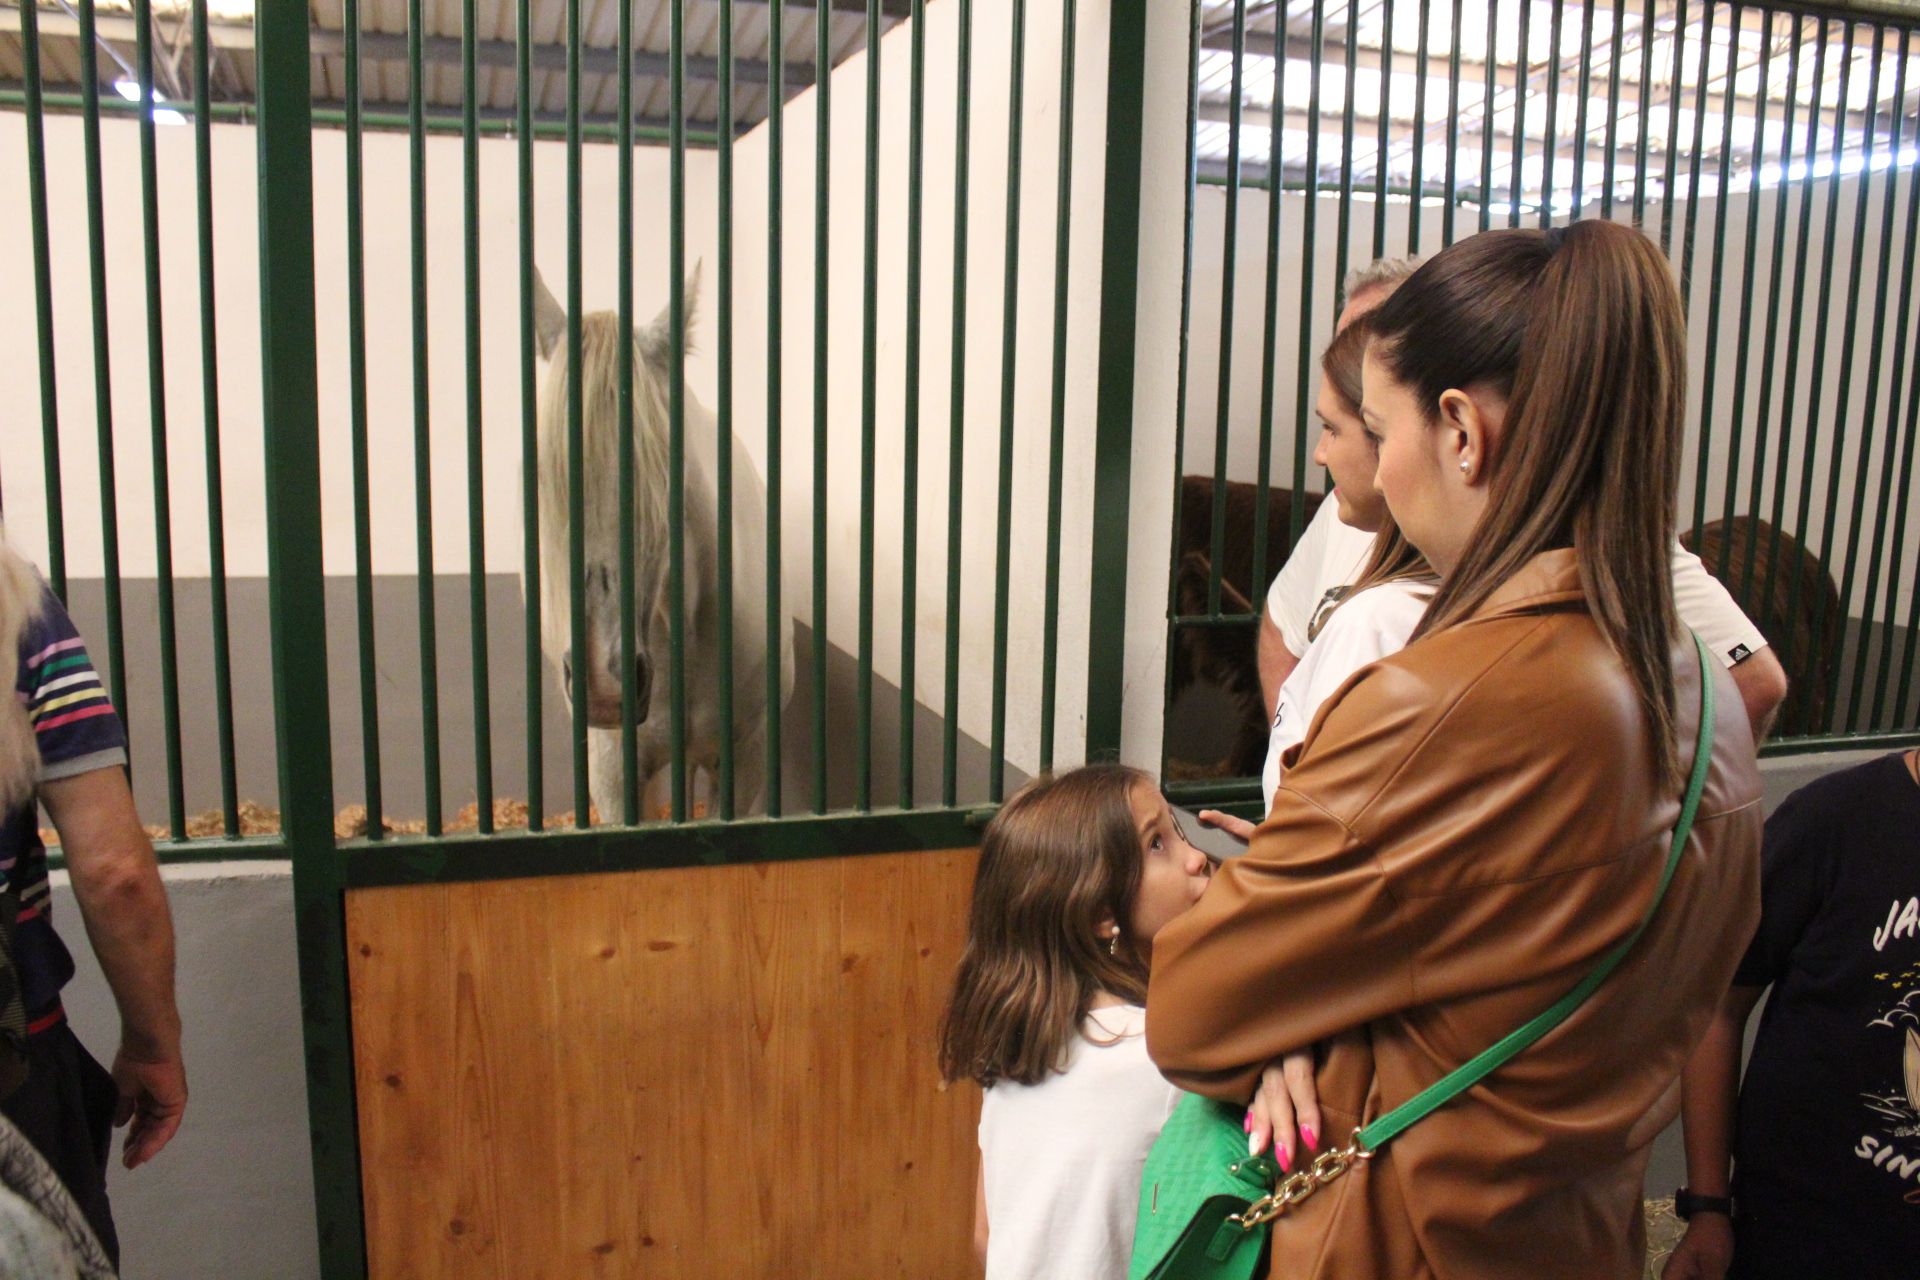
(1845,380)
(1113,412)
(623,325)
(910,426)
(1648,24)
(356,413)
(1229,261)
(1380,146)
(1057,437)
(102,371)
(1342,242)
(1550,148)
(1192,186)
(956,416)
(1613,115)
(677,396)
(1269,355)
(1303,388)
(576,444)
(157,415)
(1580,111)
(1489,78)
(1214,621)
(298,616)
(1870,401)
(476,496)
(779,628)
(1673,125)
(869,407)
(1453,125)
(1885,741)
(1750,243)
(43,297)
(1693,172)
(422,423)
(1773,300)
(1419,148)
(823,119)
(1710,360)
(723,419)
(1522,90)
(1010,304)
(529,427)
(210,401)
(1801,668)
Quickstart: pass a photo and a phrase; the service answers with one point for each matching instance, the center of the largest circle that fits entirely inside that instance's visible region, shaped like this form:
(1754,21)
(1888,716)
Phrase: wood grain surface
(698,1072)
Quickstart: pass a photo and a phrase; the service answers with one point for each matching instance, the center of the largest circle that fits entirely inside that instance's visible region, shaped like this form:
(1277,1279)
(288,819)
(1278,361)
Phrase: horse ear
(549,317)
(656,341)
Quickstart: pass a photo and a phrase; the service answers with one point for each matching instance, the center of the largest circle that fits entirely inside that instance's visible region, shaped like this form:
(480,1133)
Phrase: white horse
(598,675)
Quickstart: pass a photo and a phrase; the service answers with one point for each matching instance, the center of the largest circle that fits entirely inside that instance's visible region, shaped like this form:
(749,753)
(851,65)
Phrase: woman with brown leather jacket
(1473,822)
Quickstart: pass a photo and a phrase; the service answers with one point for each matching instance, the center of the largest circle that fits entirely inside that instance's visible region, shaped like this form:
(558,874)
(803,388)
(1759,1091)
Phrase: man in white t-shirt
(1330,555)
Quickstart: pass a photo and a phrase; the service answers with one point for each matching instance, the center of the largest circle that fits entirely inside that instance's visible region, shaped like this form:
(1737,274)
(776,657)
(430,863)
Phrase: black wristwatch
(1686,1204)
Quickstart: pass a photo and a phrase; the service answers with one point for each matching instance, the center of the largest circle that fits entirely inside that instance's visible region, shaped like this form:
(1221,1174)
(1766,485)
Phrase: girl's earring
(1464,464)
(1113,943)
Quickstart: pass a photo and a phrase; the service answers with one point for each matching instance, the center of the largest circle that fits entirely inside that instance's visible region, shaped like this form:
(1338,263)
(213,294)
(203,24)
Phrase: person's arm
(1762,682)
(1709,1090)
(980,1216)
(116,881)
(1276,662)
(1704,604)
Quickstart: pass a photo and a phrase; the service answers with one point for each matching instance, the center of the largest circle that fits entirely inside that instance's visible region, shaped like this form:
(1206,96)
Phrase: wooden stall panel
(696,1072)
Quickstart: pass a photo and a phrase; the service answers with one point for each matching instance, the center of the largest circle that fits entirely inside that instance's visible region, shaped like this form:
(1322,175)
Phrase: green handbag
(1206,1207)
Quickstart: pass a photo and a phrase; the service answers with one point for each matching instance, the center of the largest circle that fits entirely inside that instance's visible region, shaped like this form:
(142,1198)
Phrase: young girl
(1078,874)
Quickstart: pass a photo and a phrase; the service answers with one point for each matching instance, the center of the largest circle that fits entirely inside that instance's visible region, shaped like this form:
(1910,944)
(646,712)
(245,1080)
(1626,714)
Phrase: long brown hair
(1392,557)
(1580,329)
(1059,858)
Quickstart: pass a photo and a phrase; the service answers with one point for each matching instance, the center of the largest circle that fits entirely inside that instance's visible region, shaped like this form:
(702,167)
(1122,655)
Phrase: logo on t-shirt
(1739,655)
(1897,1109)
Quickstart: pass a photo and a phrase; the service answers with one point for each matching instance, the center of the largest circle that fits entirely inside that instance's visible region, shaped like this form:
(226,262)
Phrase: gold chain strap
(1327,1166)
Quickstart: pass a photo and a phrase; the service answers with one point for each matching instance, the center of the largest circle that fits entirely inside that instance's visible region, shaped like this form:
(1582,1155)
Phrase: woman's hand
(1286,1101)
(1239,828)
(1705,1251)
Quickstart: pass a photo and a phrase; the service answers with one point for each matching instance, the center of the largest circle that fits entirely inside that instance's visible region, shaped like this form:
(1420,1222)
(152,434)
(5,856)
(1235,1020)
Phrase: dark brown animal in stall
(1805,625)
(1228,656)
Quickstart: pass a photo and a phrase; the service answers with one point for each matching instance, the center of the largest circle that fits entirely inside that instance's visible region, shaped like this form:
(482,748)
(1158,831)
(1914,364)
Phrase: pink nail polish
(1280,1153)
(1313,1139)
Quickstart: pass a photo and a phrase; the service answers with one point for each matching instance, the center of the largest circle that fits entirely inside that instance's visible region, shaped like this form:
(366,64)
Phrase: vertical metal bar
(1229,260)
(1673,124)
(822,105)
(630,782)
(529,417)
(1303,387)
(43,296)
(677,393)
(1693,173)
(1749,248)
(298,639)
(1550,147)
(576,407)
(476,496)
(210,402)
(910,427)
(1057,437)
(956,419)
(1380,151)
(1190,177)
(1488,65)
(779,629)
(1613,113)
(1269,354)
(1580,111)
(1010,285)
(869,396)
(102,370)
(1773,296)
(1642,131)
(1342,241)
(357,414)
(1710,360)
(1797,665)
(1416,185)
(723,411)
(1453,126)
(422,425)
(1522,90)
(1870,402)
(1113,430)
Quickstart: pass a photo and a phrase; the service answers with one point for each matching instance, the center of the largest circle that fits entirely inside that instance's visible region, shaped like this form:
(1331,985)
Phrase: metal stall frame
(326,868)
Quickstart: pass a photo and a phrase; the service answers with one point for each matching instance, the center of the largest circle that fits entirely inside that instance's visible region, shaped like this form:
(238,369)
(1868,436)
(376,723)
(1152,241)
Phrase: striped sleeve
(73,720)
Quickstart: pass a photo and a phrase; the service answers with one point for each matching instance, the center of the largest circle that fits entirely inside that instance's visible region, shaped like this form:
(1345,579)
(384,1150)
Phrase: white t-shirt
(1365,628)
(1331,555)
(1062,1159)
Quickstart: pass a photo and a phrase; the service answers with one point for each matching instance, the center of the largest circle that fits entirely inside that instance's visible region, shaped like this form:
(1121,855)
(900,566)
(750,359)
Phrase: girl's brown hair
(1059,858)
(1580,329)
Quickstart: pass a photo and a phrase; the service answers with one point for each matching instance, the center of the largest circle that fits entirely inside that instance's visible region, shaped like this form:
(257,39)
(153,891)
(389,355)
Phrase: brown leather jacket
(1468,827)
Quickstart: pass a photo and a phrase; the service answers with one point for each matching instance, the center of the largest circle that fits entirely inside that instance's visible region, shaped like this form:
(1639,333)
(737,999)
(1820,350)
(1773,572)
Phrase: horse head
(599,674)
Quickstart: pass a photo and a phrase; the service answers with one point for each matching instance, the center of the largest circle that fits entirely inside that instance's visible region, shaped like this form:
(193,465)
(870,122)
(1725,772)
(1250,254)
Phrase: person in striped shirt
(63,745)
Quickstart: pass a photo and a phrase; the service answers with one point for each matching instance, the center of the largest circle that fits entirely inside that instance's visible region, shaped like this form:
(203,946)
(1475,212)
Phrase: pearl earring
(1464,464)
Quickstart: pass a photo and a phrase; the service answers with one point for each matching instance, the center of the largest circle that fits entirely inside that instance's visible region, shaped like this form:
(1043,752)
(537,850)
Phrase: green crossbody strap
(1428,1100)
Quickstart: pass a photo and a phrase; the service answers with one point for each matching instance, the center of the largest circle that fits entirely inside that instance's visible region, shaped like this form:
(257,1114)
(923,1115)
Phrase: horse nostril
(566,671)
